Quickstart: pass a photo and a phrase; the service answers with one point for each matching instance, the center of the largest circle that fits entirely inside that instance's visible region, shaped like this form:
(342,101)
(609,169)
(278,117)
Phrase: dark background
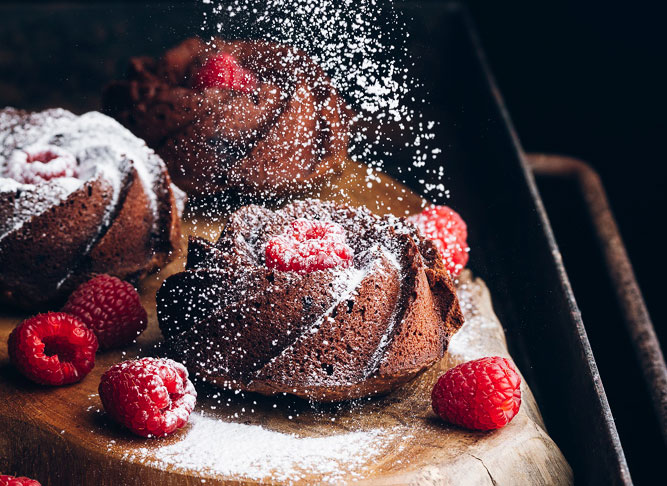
(588,79)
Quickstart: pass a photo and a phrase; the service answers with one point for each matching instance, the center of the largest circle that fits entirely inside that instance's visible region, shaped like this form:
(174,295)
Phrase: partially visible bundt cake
(319,300)
(250,116)
(78,195)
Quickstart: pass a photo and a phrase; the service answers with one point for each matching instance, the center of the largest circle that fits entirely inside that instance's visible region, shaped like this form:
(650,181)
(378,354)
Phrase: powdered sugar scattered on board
(466,344)
(219,448)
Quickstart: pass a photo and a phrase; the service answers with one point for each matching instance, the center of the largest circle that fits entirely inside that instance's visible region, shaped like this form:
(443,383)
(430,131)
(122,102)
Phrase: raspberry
(152,397)
(40,164)
(14,481)
(224,71)
(448,231)
(111,308)
(483,394)
(53,348)
(308,246)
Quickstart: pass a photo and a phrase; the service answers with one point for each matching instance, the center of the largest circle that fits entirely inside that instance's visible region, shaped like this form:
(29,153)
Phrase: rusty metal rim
(621,466)
(635,314)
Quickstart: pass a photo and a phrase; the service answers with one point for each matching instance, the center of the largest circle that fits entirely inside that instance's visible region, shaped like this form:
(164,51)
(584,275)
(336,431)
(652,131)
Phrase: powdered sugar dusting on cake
(70,186)
(103,149)
(32,203)
(101,146)
(102,135)
(375,360)
(10,185)
(239,324)
(343,287)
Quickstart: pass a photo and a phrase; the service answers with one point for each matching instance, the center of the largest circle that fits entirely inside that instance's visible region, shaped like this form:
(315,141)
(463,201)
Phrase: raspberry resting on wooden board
(53,349)
(482,394)
(150,396)
(111,308)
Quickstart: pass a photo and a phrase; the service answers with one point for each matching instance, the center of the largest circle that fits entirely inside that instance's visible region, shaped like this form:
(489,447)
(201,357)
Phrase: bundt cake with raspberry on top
(320,300)
(78,195)
(249,116)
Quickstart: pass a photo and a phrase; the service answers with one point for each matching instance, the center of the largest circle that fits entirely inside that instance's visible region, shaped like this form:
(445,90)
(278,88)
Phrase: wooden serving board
(61,436)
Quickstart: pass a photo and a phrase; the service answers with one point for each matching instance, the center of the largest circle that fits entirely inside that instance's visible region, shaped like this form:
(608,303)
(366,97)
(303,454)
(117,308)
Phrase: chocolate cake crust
(326,335)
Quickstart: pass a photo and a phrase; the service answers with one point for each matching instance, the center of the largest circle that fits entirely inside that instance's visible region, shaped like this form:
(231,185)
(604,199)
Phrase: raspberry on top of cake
(320,300)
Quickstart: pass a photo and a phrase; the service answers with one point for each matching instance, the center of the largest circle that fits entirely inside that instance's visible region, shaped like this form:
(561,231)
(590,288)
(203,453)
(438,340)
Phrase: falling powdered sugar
(363,47)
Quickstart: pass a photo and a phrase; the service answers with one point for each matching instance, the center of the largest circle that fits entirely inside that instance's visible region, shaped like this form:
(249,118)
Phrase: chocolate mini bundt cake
(251,116)
(323,301)
(78,195)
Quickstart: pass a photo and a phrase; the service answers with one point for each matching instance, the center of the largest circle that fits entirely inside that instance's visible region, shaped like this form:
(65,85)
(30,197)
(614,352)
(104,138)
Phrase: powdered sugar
(32,203)
(362,45)
(466,344)
(112,145)
(215,447)
(35,164)
(344,286)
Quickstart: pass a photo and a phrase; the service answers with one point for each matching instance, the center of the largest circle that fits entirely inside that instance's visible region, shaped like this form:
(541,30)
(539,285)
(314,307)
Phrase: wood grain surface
(61,436)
